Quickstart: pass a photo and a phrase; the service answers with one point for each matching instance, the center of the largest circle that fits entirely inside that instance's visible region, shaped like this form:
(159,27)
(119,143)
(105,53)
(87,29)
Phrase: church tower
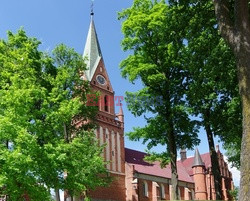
(111,126)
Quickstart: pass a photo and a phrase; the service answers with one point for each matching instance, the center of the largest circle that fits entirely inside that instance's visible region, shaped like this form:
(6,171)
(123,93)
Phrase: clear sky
(67,21)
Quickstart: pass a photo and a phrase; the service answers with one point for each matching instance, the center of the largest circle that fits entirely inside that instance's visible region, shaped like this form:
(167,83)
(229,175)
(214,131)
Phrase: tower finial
(92,8)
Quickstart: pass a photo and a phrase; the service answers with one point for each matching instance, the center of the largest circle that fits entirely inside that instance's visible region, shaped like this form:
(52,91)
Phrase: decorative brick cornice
(109,120)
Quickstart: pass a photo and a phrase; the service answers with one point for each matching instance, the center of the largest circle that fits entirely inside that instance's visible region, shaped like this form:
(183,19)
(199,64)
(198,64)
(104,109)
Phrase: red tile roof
(135,158)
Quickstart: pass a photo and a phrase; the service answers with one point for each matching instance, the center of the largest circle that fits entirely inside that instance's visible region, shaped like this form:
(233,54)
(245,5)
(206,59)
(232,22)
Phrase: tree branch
(226,27)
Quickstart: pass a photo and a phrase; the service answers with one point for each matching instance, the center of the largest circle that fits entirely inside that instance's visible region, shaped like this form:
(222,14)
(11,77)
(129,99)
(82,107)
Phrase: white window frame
(162,191)
(145,189)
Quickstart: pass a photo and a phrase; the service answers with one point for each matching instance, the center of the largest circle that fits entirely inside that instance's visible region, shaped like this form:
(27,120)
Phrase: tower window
(106,103)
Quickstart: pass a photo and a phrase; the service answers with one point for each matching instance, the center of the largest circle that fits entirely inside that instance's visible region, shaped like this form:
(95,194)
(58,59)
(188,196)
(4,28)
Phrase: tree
(82,160)
(234,25)
(153,34)
(42,134)
(212,82)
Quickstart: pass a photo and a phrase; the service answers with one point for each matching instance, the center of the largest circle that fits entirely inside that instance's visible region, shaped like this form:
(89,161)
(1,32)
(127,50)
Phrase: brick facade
(114,192)
(110,132)
(195,179)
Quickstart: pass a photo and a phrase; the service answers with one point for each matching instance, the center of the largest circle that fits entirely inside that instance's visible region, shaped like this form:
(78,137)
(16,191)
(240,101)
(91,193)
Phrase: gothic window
(106,103)
(145,188)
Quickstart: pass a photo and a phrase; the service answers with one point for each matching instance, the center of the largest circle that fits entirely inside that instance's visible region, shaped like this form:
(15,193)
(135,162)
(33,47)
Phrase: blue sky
(63,21)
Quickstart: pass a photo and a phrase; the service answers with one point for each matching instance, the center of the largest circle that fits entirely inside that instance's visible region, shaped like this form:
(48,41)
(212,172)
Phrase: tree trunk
(66,136)
(214,157)
(173,156)
(57,194)
(237,34)
(171,148)
(244,84)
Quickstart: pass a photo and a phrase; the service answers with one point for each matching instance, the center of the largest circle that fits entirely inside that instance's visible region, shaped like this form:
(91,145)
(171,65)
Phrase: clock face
(100,79)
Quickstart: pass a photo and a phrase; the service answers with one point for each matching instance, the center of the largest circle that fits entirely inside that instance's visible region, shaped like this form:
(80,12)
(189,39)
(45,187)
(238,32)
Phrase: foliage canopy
(42,110)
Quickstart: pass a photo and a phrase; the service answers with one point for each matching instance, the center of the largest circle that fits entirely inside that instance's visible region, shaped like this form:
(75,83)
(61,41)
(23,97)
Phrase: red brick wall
(140,190)
(167,195)
(115,191)
(182,193)
(200,183)
(131,189)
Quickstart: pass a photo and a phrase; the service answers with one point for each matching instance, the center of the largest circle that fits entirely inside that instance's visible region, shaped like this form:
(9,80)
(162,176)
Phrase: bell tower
(111,126)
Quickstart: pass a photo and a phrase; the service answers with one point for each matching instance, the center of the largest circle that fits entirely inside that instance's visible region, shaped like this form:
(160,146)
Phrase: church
(135,179)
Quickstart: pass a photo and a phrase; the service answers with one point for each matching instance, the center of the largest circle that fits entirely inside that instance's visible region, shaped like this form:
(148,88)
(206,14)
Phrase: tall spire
(197,159)
(92,49)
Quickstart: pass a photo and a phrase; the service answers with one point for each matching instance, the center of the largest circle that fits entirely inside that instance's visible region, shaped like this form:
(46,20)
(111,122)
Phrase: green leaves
(42,96)
(212,80)
(85,164)
(182,61)
(153,32)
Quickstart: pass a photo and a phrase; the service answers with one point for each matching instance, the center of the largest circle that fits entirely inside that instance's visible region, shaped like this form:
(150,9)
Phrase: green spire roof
(92,51)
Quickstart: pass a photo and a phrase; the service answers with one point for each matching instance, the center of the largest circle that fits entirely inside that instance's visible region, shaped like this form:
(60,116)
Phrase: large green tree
(234,24)
(212,90)
(152,32)
(210,81)
(44,145)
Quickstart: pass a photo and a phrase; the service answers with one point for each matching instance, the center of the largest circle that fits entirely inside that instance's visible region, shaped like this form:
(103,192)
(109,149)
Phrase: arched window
(145,188)
(106,103)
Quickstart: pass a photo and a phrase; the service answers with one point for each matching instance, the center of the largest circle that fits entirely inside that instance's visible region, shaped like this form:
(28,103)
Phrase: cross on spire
(92,8)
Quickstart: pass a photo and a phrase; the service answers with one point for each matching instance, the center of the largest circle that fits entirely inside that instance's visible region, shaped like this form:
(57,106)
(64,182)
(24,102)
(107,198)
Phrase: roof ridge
(135,150)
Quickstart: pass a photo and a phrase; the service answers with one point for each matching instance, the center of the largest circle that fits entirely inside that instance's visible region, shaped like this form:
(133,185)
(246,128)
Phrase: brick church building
(135,179)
